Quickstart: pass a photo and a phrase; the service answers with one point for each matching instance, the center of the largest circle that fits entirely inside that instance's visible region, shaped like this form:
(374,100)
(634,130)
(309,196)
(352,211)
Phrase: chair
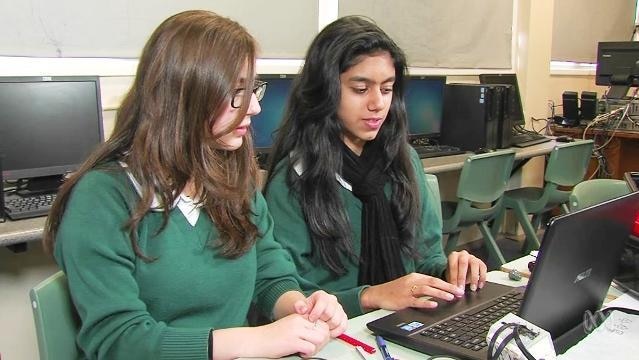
(56,320)
(481,185)
(566,166)
(432,185)
(595,191)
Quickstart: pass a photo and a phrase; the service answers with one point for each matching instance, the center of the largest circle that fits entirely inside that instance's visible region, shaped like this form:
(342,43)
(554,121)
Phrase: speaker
(477,116)
(588,106)
(571,108)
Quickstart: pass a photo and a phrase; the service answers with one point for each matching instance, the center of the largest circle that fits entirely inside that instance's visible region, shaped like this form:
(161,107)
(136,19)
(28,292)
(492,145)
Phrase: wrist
(367,299)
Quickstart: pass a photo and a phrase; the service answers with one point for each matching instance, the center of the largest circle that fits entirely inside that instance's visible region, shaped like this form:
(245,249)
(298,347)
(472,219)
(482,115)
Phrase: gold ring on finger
(412,289)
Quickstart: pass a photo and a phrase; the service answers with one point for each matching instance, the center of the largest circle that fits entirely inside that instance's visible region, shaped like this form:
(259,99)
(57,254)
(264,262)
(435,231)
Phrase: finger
(340,322)
(301,307)
(317,309)
(423,303)
(462,268)
(446,292)
(482,274)
(452,267)
(474,273)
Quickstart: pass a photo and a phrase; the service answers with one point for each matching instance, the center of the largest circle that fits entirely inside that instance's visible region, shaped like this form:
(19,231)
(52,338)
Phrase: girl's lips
(373,123)
(241,130)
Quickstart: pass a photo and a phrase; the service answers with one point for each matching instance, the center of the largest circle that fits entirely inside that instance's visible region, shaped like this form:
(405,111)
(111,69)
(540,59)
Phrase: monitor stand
(40,185)
(617,92)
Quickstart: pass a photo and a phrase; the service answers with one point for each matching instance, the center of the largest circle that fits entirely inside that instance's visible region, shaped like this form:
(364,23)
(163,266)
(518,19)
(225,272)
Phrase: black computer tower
(478,116)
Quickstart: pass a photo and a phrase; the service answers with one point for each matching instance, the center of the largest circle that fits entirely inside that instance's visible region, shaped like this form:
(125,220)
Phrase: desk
(14,232)
(622,153)
(456,162)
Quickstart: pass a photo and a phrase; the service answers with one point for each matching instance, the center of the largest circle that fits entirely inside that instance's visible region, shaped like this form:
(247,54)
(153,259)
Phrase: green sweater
(163,309)
(292,232)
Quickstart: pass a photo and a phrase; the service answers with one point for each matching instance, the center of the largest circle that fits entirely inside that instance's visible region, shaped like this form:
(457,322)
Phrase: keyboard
(22,207)
(468,330)
(527,139)
(428,151)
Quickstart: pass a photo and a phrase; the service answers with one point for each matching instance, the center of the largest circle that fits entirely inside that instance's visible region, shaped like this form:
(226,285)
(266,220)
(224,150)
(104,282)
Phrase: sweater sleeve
(292,233)
(276,273)
(94,251)
(432,260)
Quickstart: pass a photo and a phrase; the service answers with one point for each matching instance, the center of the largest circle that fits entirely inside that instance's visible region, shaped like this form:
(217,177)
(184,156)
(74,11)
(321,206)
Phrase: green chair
(595,191)
(56,320)
(432,185)
(566,167)
(482,182)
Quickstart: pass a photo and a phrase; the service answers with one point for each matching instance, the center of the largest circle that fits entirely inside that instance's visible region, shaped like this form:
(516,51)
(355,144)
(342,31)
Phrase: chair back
(484,177)
(568,163)
(56,320)
(432,186)
(595,191)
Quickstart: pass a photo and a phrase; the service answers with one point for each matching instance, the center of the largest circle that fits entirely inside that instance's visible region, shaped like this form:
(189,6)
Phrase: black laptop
(628,275)
(577,260)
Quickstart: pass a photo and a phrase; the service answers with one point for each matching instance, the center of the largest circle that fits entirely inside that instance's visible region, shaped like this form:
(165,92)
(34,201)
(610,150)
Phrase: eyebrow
(357,78)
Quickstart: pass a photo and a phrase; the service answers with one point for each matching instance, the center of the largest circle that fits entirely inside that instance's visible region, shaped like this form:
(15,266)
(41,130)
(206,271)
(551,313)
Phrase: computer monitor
(516,109)
(273,104)
(617,67)
(48,124)
(424,100)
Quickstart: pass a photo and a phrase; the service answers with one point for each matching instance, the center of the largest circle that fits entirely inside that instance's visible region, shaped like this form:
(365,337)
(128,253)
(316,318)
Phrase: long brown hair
(185,78)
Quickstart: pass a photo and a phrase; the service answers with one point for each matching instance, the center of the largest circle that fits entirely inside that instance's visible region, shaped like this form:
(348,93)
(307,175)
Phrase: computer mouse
(564,138)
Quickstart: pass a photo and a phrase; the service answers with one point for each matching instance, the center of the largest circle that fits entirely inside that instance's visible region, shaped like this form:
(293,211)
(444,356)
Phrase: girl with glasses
(162,233)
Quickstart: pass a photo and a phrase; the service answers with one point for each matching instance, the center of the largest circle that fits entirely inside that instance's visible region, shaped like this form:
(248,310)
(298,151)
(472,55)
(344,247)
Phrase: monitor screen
(273,104)
(424,101)
(617,63)
(516,108)
(48,124)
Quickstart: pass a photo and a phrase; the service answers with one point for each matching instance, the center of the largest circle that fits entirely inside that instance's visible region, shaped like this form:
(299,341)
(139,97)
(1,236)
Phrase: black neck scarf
(380,257)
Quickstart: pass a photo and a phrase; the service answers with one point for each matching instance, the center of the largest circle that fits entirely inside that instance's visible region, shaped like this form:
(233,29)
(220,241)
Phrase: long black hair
(311,135)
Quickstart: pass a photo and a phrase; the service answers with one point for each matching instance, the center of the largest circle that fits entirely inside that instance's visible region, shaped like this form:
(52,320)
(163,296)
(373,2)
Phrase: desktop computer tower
(478,116)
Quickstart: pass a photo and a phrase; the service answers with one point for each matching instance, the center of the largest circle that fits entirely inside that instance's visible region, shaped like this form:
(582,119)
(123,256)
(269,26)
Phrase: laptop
(628,274)
(577,260)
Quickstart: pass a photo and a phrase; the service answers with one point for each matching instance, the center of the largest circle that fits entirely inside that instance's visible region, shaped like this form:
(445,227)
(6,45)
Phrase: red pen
(369,349)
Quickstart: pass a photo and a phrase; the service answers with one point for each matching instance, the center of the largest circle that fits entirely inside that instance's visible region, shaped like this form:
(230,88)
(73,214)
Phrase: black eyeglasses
(258,89)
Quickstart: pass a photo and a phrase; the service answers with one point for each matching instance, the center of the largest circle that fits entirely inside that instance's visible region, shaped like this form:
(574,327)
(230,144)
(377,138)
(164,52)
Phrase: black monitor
(424,100)
(48,124)
(617,67)
(516,109)
(273,104)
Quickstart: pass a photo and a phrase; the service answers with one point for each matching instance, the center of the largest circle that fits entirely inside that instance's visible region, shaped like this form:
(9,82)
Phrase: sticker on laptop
(410,326)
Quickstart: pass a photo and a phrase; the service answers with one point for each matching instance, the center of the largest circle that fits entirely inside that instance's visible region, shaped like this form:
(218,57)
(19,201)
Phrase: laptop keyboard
(468,330)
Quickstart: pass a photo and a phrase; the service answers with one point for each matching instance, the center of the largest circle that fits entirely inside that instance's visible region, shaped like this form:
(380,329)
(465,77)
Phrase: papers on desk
(616,338)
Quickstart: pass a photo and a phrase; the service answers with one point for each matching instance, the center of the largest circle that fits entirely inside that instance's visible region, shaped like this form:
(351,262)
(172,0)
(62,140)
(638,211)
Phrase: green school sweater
(163,309)
(292,232)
